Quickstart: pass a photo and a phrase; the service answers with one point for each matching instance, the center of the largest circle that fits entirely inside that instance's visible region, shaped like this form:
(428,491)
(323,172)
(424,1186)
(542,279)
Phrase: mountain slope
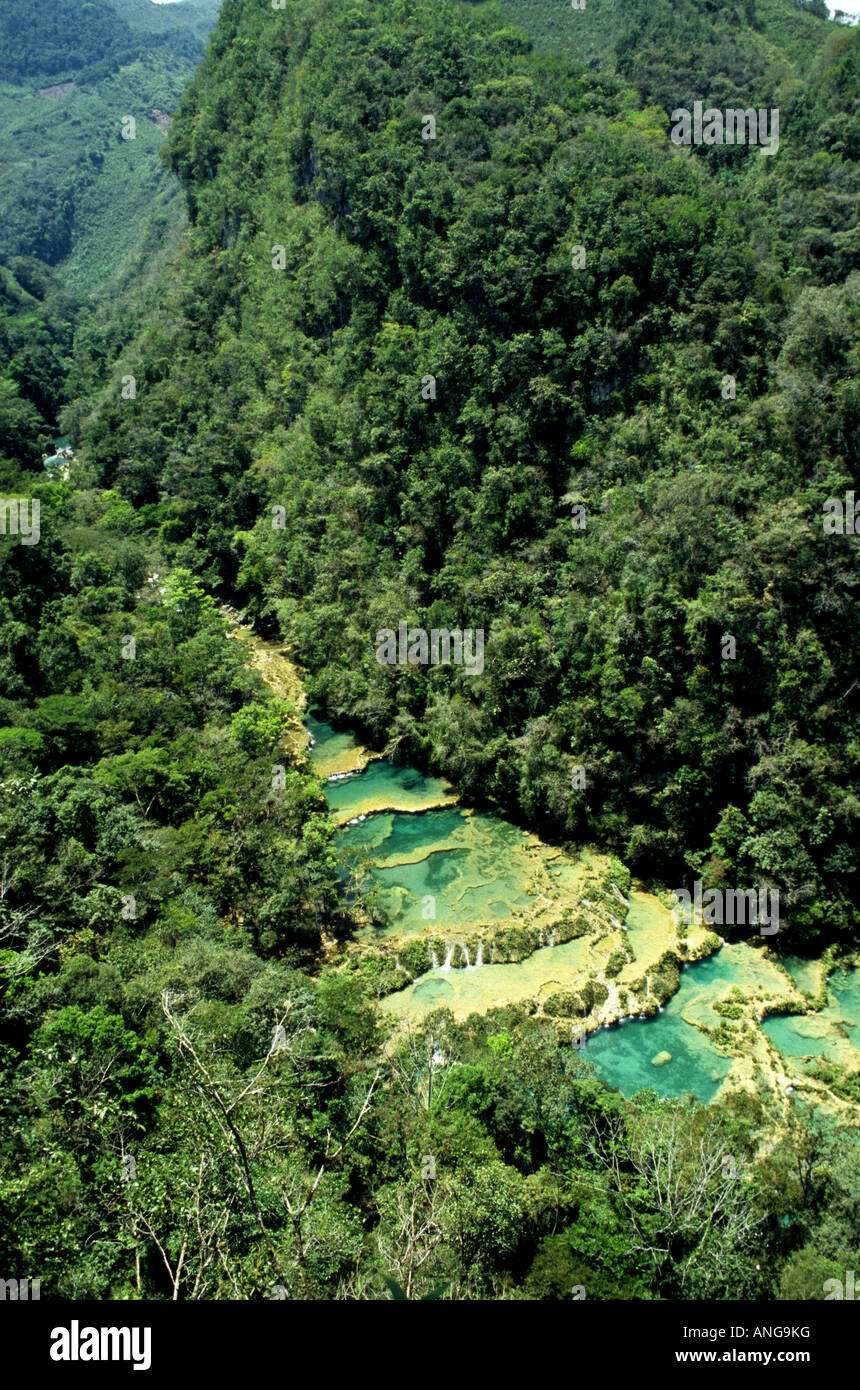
(36,330)
(621,467)
(556,387)
(73,191)
(634,35)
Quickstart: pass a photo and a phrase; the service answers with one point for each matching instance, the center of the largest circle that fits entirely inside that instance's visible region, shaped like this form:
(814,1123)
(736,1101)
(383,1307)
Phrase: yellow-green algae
(383,786)
(555,976)
(334,753)
(272,661)
(468,991)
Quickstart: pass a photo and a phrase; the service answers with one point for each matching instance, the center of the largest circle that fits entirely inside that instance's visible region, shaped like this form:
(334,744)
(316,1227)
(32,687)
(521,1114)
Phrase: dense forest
(692,388)
(37,318)
(52,43)
(74,190)
(526,367)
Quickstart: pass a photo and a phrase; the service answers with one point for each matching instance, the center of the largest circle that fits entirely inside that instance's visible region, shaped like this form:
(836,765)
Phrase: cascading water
(406,847)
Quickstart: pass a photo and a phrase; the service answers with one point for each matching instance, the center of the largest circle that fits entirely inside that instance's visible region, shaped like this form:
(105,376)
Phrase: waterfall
(541,938)
(446,964)
(466,958)
(615,922)
(433,961)
(479,958)
(552,938)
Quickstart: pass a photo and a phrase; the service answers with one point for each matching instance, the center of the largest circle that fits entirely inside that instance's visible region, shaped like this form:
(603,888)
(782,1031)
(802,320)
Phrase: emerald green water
(623,1056)
(440,868)
(832,1034)
(328,743)
(437,869)
(384,784)
(443,869)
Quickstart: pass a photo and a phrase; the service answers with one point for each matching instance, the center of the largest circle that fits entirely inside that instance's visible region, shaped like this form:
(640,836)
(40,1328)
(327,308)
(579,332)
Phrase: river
(442,869)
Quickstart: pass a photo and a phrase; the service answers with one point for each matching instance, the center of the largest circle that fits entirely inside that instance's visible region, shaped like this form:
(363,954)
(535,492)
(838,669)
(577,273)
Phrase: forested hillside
(736,40)
(74,189)
(37,319)
(526,366)
(71,41)
(605,387)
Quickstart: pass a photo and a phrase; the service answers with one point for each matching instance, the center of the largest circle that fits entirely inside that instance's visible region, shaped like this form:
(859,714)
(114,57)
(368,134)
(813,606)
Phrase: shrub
(564,1005)
(594,994)
(616,963)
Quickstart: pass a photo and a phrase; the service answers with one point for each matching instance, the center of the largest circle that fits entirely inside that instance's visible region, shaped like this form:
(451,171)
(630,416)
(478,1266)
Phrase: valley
(429,714)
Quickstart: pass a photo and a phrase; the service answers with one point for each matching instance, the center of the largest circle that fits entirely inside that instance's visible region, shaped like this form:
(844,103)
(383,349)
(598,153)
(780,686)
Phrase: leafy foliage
(197,1100)
(72,190)
(599,387)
